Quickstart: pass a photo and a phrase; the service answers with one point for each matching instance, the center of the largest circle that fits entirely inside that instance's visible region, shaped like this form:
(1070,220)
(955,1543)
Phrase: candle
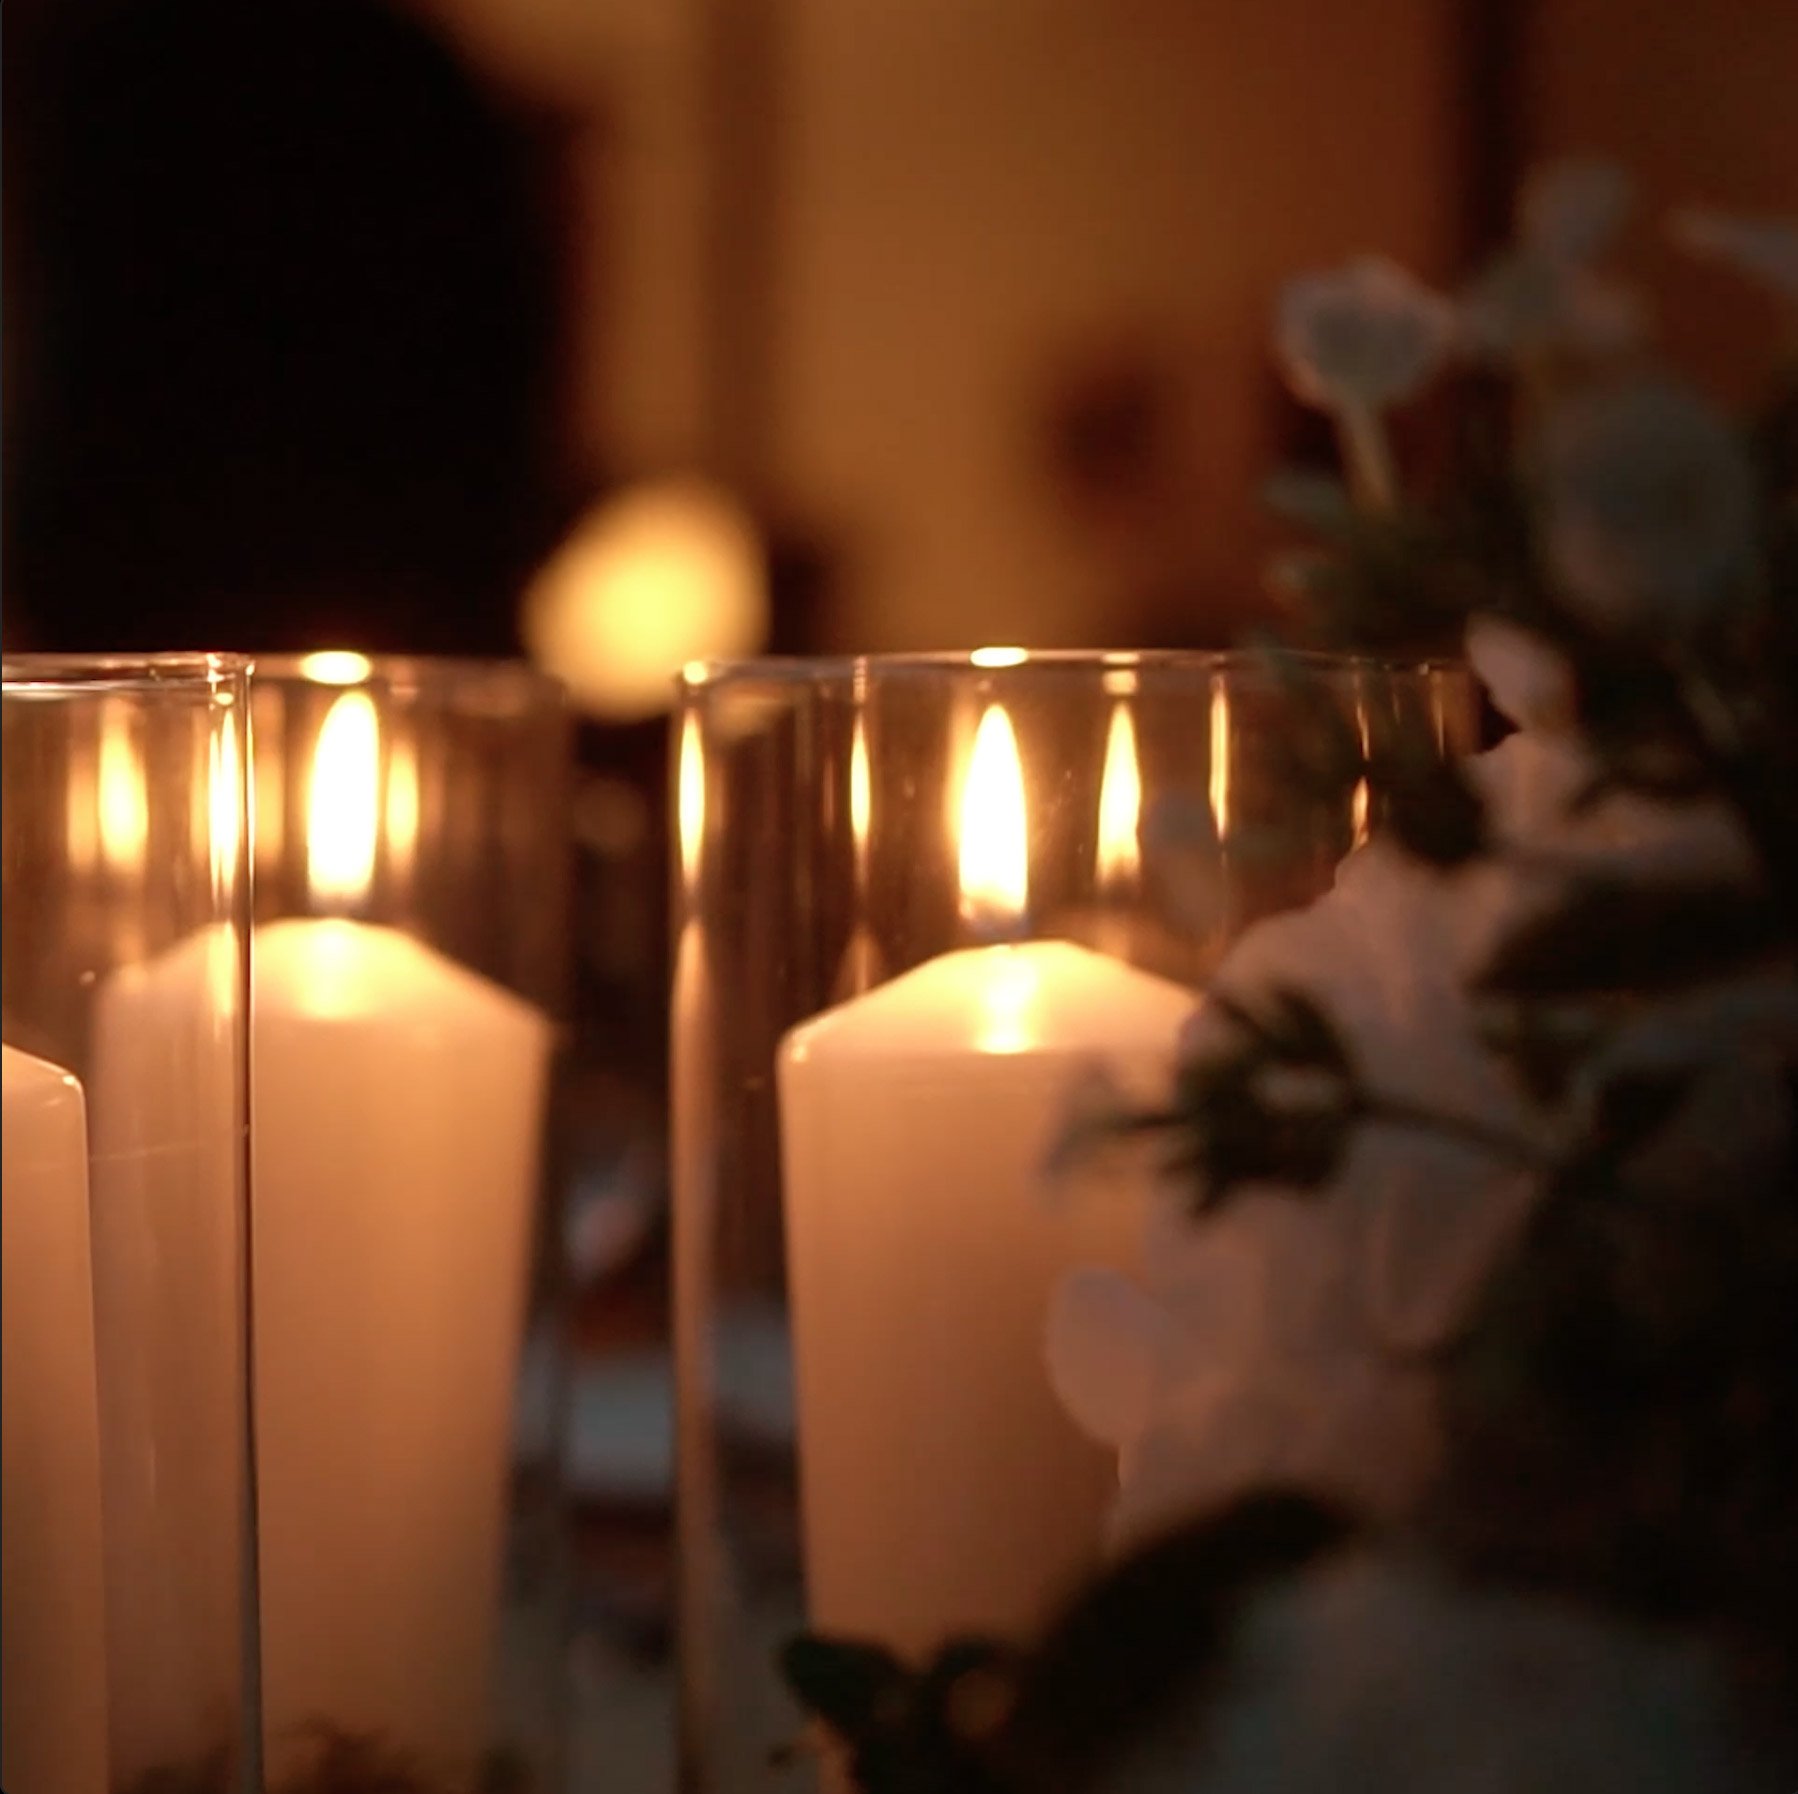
(397,1101)
(166,1112)
(52,1625)
(943,1488)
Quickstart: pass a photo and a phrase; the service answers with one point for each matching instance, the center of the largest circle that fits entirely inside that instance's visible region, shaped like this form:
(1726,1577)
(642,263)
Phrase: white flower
(1278,1339)
(1764,248)
(1361,338)
(1261,1342)
(1245,1359)
(1650,503)
(1529,305)
(1373,1675)
(1530,682)
(1545,297)
(1570,212)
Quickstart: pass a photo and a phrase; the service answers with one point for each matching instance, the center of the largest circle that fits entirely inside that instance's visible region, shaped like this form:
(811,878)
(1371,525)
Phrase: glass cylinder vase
(411,874)
(918,900)
(127,1637)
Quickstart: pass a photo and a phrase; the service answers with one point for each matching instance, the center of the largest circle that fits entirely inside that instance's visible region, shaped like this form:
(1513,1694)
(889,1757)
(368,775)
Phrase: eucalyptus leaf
(1319,501)
(852,1685)
(1617,934)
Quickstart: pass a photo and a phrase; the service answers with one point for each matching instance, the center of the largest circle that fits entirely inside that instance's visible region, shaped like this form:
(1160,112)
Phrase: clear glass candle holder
(917,900)
(411,890)
(127,1634)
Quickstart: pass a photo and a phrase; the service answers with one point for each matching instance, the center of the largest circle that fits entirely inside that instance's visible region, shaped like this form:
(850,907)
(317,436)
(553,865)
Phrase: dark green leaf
(1615,934)
(1151,1637)
(853,1686)
(1544,1044)
(1318,501)
(1429,805)
(1629,1109)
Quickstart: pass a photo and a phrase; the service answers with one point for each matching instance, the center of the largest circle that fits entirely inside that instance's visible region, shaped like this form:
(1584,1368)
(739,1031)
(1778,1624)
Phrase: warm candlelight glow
(1220,759)
(83,820)
(995,850)
(861,796)
(336,666)
(344,810)
(690,799)
(1120,805)
(225,802)
(999,657)
(402,803)
(1359,802)
(123,802)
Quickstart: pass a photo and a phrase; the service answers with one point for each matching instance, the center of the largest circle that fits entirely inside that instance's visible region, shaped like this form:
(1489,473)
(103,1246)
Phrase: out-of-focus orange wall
(980,195)
(972,201)
(1700,102)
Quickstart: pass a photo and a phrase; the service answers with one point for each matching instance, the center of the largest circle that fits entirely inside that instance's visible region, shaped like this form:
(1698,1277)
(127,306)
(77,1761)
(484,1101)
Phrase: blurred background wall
(989,281)
(327,321)
(1701,104)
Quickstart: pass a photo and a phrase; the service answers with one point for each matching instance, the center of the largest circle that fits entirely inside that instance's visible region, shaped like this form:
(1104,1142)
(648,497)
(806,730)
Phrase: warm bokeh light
(343,812)
(123,802)
(995,844)
(1119,859)
(336,666)
(665,574)
(999,657)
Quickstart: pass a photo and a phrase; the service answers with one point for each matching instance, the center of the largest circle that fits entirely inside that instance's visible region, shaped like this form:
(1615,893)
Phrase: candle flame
(1120,805)
(123,803)
(995,852)
(690,802)
(1220,759)
(343,814)
(861,794)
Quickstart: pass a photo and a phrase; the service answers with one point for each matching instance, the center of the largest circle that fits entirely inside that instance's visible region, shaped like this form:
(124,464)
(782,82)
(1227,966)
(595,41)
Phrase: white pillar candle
(52,1621)
(943,1489)
(166,1116)
(398,1105)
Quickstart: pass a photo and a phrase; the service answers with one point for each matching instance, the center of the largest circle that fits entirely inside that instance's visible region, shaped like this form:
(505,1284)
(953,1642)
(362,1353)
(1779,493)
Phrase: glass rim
(801,670)
(67,675)
(353,669)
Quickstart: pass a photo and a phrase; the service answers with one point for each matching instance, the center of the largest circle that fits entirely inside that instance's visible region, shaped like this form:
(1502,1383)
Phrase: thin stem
(1368,457)
(1497,1142)
(1758,799)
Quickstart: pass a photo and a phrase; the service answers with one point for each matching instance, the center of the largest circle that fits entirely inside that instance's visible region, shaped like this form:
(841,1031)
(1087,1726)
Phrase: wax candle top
(331,969)
(1032,997)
